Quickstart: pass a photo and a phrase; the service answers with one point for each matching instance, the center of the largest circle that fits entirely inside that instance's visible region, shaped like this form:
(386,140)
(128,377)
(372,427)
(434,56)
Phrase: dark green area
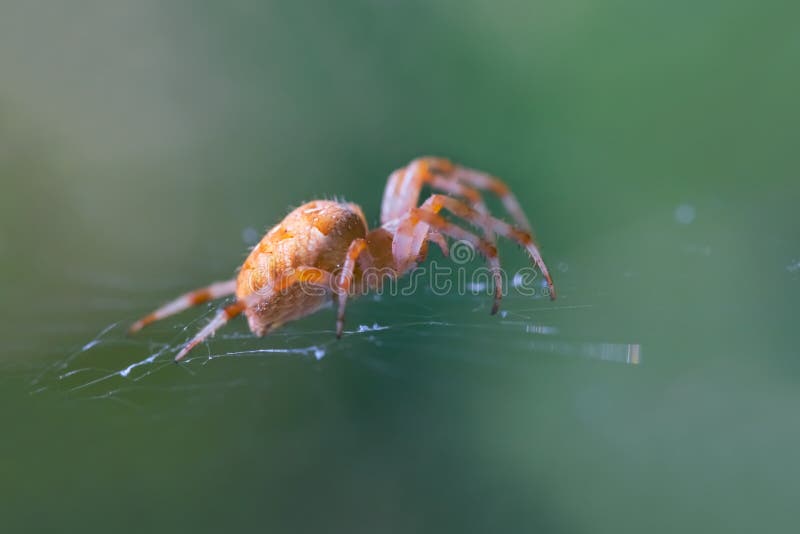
(140,141)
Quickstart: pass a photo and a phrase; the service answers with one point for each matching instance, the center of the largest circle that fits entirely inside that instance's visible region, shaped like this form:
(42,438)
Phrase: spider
(324,249)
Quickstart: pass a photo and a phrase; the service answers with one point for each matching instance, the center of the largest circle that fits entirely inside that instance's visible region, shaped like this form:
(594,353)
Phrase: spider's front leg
(419,222)
(418,226)
(479,180)
(405,185)
(429,210)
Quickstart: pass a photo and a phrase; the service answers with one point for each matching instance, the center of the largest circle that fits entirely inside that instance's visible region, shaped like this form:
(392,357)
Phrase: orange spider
(324,248)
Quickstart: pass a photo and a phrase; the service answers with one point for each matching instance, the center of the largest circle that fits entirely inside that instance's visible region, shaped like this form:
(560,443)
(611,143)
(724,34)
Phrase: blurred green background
(653,145)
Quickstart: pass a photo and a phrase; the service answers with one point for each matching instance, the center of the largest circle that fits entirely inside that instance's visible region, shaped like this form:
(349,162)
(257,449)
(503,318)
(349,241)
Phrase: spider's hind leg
(186,301)
(312,276)
(223,316)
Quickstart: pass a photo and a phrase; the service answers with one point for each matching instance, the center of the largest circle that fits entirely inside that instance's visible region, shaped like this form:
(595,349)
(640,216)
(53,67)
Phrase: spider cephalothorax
(324,249)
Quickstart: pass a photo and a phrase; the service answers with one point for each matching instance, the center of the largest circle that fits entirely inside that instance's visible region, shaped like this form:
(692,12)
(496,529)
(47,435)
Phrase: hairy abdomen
(316,234)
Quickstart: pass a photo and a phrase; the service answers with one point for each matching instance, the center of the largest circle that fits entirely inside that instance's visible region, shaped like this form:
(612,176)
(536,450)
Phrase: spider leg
(186,301)
(223,316)
(426,217)
(440,241)
(358,250)
(303,274)
(436,202)
(402,190)
(483,181)
(472,195)
(404,186)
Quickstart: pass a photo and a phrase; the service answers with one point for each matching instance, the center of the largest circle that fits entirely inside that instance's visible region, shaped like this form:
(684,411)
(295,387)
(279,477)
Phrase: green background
(142,142)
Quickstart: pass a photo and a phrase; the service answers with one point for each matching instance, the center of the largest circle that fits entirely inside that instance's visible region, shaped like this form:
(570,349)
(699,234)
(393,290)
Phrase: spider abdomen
(316,234)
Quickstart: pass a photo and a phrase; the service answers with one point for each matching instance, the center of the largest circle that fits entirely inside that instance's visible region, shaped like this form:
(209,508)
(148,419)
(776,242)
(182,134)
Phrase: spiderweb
(135,370)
